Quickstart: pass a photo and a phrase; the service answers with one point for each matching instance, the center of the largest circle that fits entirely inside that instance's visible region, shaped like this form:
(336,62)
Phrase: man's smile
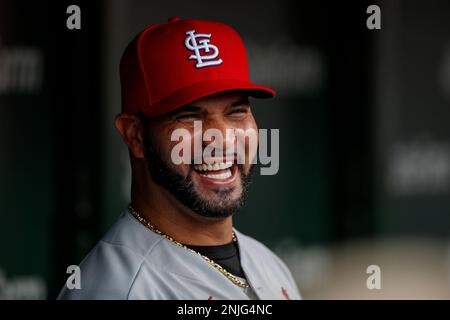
(220,174)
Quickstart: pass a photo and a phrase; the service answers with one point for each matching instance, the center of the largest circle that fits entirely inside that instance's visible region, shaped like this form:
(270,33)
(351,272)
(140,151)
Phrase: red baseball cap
(171,64)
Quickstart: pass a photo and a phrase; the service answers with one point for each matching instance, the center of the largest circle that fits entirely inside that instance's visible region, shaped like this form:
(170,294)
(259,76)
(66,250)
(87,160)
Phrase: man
(176,240)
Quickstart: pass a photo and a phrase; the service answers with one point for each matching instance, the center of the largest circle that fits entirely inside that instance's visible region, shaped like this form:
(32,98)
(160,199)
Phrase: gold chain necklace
(227,274)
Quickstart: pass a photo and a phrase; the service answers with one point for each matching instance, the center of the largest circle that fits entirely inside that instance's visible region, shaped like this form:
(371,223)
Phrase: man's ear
(131,130)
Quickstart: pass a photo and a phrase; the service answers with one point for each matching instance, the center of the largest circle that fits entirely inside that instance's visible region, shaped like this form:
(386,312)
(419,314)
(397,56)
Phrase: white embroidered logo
(202,60)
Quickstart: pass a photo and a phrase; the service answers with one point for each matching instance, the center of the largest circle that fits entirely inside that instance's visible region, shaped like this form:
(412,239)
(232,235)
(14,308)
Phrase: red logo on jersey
(285,294)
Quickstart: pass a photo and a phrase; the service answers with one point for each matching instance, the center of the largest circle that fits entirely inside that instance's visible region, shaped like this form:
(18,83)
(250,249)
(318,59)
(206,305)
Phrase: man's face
(217,190)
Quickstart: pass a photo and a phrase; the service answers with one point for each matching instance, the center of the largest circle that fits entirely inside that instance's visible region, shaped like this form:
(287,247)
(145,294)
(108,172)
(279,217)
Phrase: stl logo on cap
(205,45)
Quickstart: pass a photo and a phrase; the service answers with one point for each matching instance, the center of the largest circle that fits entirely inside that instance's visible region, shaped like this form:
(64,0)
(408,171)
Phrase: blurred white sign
(21,69)
(30,287)
(421,166)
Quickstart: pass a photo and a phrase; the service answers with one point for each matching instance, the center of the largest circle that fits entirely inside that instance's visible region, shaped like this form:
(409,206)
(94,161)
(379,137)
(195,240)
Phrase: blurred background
(363,115)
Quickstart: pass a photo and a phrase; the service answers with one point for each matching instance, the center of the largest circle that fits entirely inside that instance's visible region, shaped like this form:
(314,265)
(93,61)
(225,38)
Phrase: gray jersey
(132,262)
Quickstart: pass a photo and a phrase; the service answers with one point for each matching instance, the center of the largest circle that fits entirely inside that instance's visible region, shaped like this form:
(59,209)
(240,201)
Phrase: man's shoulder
(109,269)
(255,247)
(126,240)
(129,233)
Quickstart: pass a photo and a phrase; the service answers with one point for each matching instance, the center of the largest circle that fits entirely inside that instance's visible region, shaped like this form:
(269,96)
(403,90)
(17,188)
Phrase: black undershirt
(226,255)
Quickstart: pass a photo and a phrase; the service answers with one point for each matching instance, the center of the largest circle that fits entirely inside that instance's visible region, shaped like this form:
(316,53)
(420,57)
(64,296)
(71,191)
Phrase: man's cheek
(246,169)
(247,144)
(181,146)
(252,147)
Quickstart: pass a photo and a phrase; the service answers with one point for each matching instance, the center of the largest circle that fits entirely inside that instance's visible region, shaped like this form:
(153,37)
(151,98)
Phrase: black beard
(184,191)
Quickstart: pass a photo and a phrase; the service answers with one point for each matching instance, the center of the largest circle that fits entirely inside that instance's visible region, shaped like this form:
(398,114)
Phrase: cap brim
(194,92)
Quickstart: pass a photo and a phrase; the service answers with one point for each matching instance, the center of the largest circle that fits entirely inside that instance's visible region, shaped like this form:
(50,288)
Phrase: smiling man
(176,239)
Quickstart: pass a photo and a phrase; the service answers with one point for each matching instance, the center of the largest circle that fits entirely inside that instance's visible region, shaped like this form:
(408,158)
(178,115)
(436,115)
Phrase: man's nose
(219,133)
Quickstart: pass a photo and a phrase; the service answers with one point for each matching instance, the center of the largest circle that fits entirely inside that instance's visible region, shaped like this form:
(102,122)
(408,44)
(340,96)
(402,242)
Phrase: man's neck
(172,218)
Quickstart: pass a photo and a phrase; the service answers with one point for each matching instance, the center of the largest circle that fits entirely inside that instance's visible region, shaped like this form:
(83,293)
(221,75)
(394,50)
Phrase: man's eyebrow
(186,108)
(241,102)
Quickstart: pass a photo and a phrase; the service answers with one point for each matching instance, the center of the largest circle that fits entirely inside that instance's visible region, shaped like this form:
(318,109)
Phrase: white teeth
(216,166)
(221,176)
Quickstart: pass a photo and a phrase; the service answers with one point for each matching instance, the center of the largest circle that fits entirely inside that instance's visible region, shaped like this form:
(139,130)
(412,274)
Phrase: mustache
(215,157)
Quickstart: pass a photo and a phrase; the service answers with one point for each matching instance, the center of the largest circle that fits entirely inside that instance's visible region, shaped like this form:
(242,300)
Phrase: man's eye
(239,112)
